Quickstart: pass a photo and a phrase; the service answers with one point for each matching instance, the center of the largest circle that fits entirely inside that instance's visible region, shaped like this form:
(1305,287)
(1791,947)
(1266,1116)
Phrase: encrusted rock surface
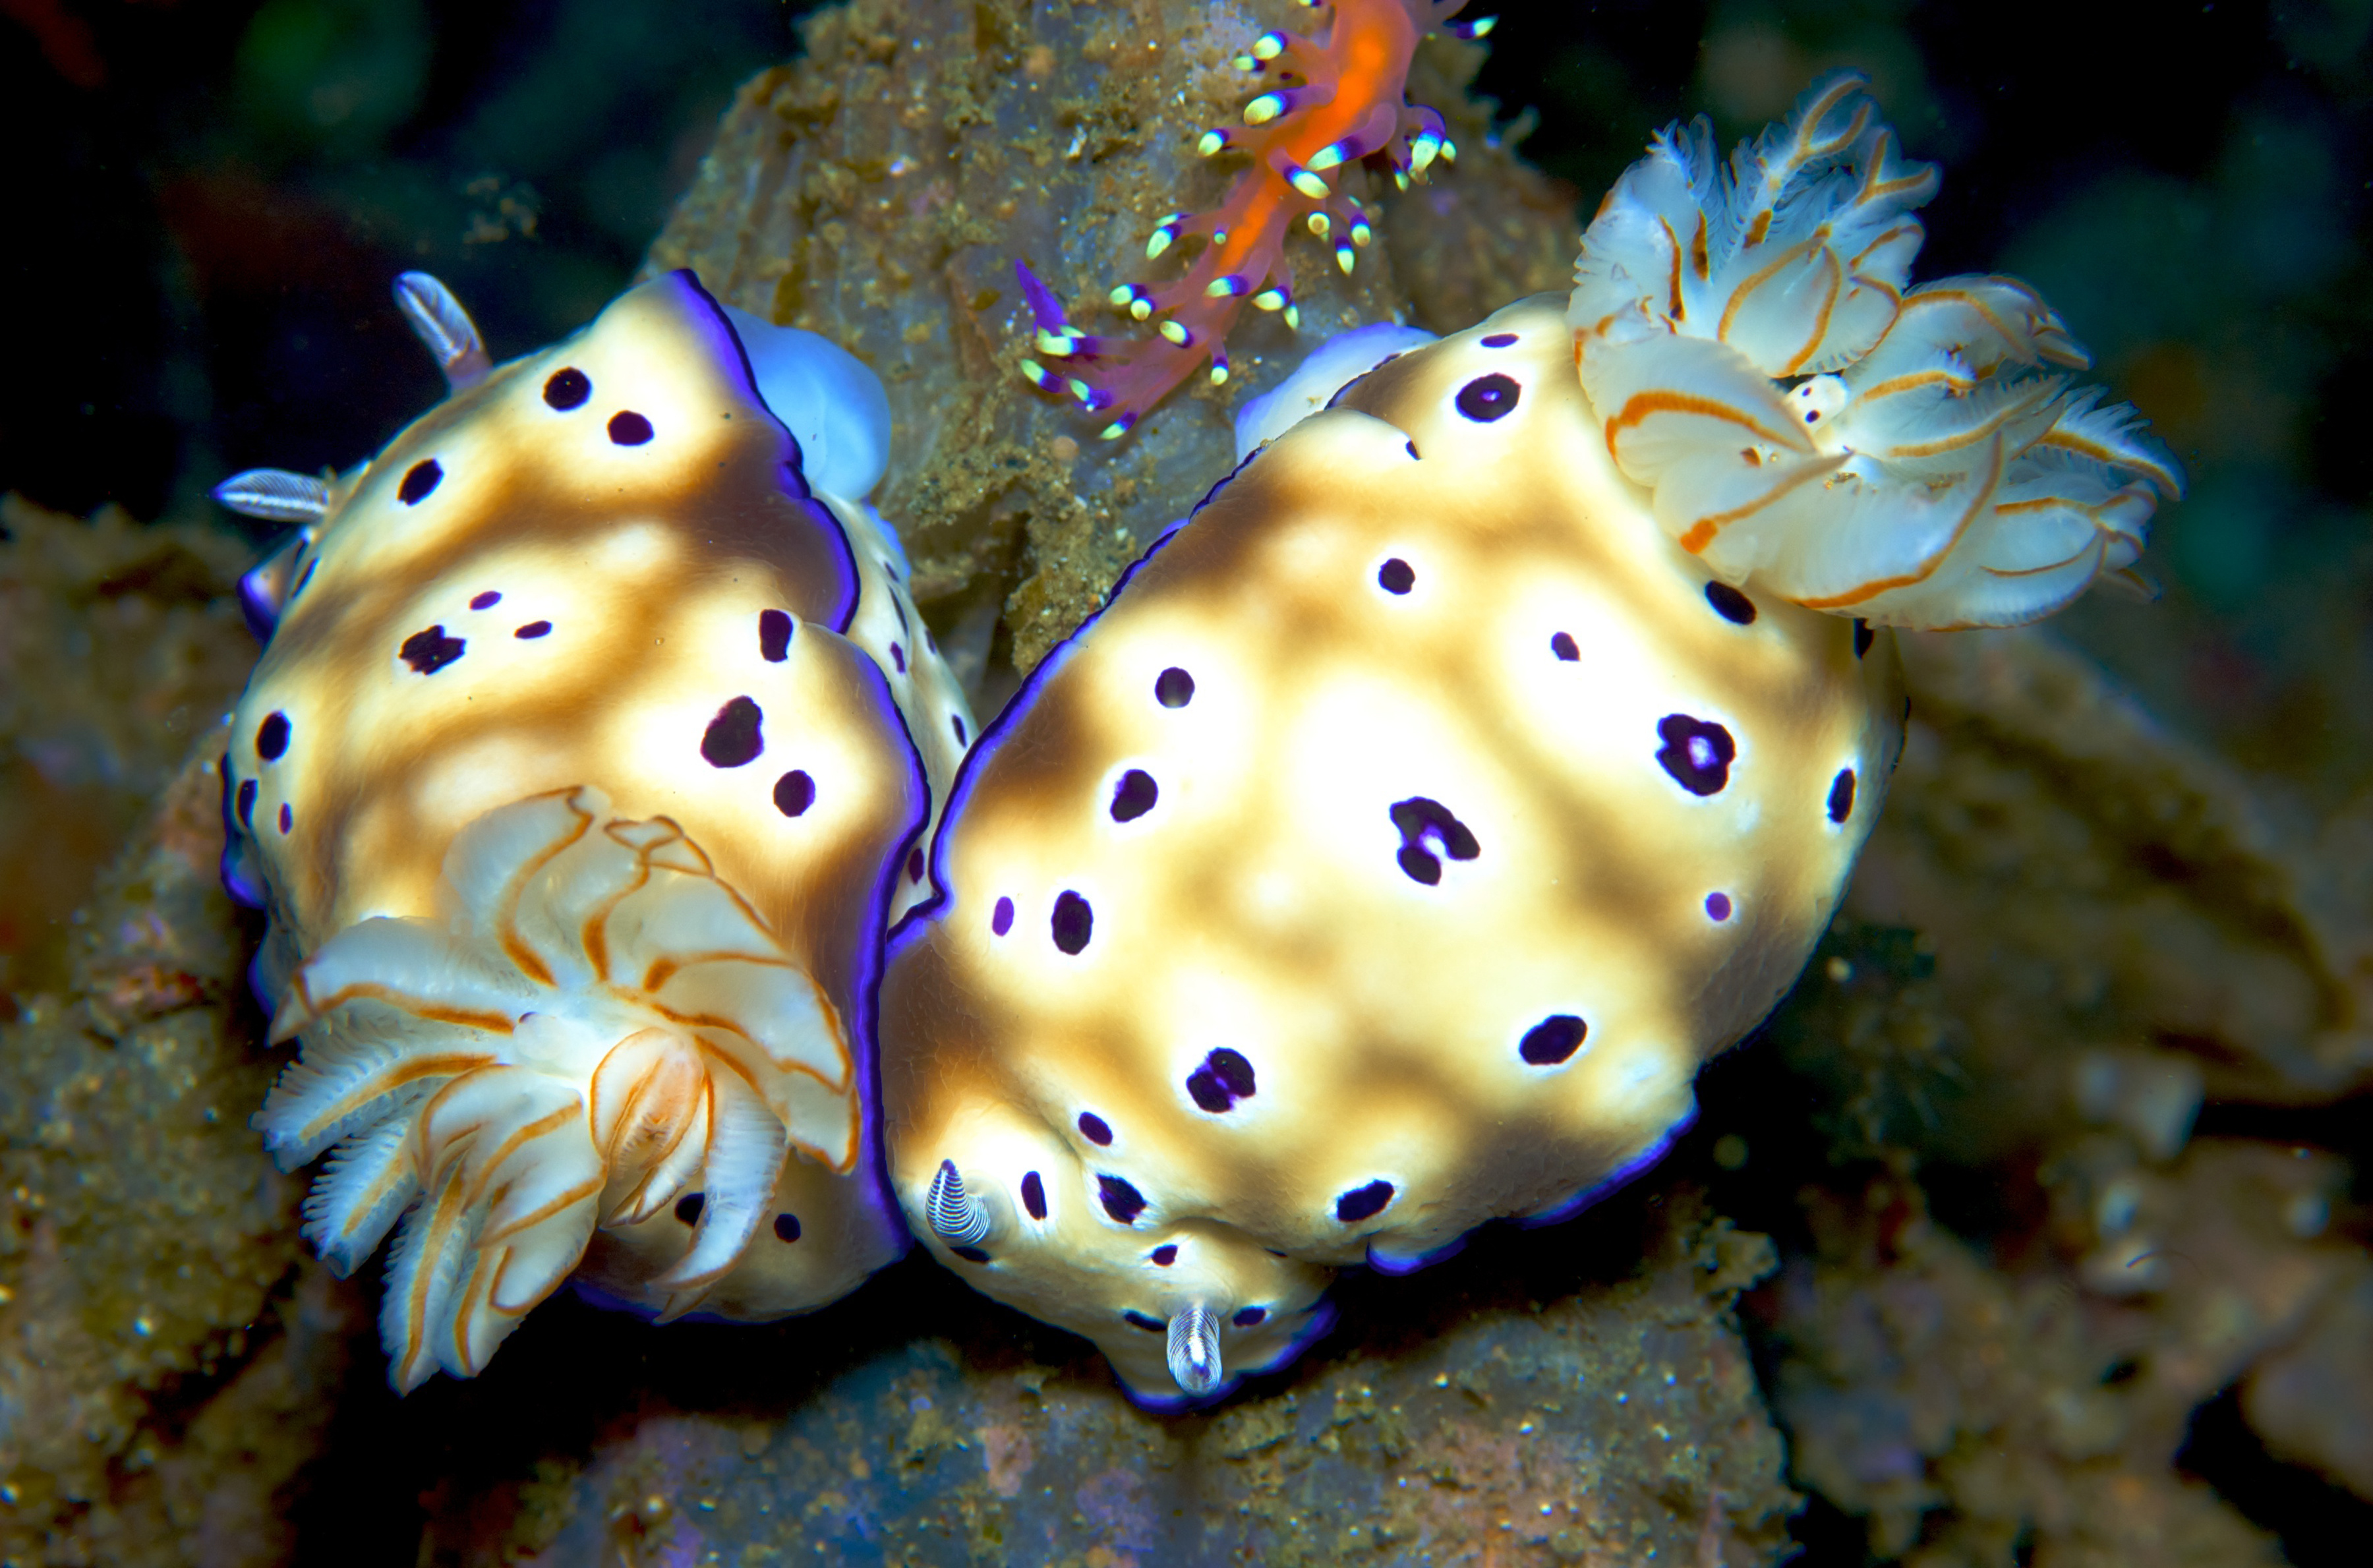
(118,645)
(880,190)
(1586,1401)
(2070,938)
(165,1356)
(163,1353)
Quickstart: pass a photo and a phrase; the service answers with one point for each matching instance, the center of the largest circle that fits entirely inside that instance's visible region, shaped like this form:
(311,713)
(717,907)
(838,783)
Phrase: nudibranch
(1332,100)
(1479,759)
(1808,425)
(1384,860)
(591,752)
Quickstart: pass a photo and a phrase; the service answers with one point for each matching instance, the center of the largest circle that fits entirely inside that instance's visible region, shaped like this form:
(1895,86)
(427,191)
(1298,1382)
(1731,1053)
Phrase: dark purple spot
(1093,1129)
(567,389)
(1718,905)
(1249,1317)
(1362,1201)
(284,817)
(272,736)
(1174,687)
(1134,796)
(970,1254)
(898,657)
(1396,576)
(786,1227)
(1034,1195)
(1150,1324)
(1552,1040)
(1730,603)
(1233,1070)
(418,480)
(1562,646)
(1412,446)
(774,635)
(1500,340)
(1841,790)
(1487,398)
(1428,830)
(1224,1078)
(532,630)
(1122,1201)
(486,601)
(247,804)
(956,720)
(915,863)
(628,428)
(733,737)
(1000,919)
(1863,637)
(794,792)
(1203,1086)
(431,650)
(1074,921)
(687,1208)
(1697,753)
(1164,1256)
(303,578)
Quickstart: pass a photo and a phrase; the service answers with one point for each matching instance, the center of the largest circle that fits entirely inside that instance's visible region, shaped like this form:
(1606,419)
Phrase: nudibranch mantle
(1811,423)
(1382,860)
(581,776)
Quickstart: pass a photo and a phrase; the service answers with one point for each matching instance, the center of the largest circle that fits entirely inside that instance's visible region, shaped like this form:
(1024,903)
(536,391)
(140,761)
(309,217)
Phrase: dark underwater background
(205,203)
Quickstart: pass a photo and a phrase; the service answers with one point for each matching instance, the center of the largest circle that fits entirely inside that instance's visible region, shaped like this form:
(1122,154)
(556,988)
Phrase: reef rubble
(165,1353)
(880,190)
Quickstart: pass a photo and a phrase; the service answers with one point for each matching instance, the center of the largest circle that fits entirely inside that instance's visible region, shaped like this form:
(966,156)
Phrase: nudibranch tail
(1337,99)
(1809,422)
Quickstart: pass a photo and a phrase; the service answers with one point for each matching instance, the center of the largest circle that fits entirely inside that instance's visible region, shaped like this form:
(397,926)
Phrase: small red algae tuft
(1329,101)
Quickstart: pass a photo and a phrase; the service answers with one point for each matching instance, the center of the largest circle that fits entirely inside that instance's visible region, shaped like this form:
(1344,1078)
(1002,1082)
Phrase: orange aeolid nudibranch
(1338,98)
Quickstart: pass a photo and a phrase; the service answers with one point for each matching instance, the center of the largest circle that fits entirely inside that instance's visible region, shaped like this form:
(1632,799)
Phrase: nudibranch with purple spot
(590,756)
(1384,860)
(1477,761)
(1808,425)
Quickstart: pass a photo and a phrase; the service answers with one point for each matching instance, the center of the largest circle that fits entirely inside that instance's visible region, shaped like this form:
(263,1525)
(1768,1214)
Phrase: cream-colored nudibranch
(1385,859)
(592,750)
(1809,427)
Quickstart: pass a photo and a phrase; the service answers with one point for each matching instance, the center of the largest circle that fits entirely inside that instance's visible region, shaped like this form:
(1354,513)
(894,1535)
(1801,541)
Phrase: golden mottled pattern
(651,565)
(589,588)
(1425,801)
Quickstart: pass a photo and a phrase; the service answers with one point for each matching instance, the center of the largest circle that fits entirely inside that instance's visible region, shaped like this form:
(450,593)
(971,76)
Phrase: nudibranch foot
(1811,424)
(595,1027)
(1339,100)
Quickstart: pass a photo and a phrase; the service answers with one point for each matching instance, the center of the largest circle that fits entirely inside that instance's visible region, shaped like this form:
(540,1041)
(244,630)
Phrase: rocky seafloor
(2035,1199)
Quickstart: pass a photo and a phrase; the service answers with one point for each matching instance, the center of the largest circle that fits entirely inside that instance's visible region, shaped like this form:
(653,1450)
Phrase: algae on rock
(1528,1411)
(165,1356)
(880,190)
(2070,935)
